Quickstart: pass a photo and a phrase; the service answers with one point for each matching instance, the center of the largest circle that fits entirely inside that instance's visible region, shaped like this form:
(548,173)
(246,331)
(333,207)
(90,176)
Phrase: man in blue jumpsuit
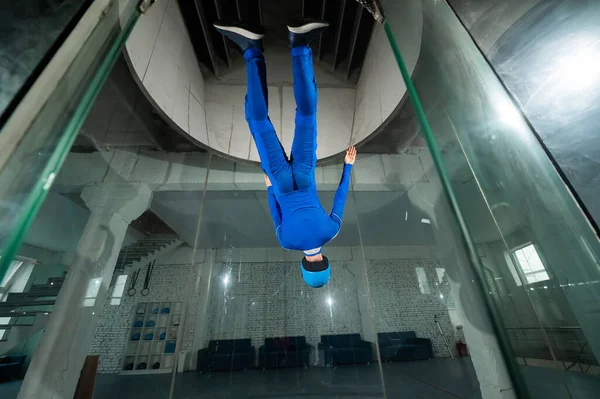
(300,221)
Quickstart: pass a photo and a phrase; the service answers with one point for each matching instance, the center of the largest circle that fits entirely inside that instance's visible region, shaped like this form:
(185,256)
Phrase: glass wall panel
(537,251)
(37,137)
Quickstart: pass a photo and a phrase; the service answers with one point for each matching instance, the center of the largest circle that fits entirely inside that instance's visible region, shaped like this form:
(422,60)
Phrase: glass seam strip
(501,335)
(38,194)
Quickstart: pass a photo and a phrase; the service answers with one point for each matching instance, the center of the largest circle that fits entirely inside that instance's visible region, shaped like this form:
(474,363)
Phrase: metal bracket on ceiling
(374,7)
(145,5)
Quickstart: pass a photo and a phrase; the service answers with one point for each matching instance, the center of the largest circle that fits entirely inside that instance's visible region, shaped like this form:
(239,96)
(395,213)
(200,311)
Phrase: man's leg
(272,156)
(304,146)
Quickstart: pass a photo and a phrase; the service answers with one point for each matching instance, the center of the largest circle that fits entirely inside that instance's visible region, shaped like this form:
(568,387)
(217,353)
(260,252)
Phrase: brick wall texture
(269,299)
(168,283)
(400,303)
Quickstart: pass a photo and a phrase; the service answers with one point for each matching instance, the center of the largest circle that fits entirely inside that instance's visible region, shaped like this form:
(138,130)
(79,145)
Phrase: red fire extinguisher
(461,348)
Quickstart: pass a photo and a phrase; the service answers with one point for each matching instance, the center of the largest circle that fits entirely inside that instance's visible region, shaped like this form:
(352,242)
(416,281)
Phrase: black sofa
(404,345)
(345,349)
(282,352)
(226,355)
(11,367)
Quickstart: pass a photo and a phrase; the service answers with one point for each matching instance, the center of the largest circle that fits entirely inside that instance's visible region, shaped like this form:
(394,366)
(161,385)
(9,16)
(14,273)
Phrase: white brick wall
(169,282)
(268,298)
(271,300)
(401,304)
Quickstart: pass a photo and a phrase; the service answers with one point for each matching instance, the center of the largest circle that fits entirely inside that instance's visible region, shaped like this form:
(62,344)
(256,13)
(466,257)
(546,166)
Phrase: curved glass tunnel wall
(538,254)
(219,274)
(87,318)
(546,53)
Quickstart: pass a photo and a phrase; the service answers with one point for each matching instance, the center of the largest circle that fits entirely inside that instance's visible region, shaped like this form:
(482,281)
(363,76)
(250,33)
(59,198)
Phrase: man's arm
(273,204)
(339,201)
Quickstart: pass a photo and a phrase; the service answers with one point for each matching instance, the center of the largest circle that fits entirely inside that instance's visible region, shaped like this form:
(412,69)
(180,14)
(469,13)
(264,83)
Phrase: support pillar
(484,348)
(359,267)
(57,363)
(203,287)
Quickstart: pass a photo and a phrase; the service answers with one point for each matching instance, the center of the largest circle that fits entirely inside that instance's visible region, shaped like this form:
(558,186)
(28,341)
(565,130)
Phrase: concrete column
(57,363)
(203,287)
(484,348)
(359,267)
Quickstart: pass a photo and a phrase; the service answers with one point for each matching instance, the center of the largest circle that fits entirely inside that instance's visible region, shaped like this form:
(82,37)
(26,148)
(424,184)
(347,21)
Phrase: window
(119,288)
(422,280)
(528,260)
(92,292)
(14,280)
(440,271)
(511,267)
(10,273)
(16,277)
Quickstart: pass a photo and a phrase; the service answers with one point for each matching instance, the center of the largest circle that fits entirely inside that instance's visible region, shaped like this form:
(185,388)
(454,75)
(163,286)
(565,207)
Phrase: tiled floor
(545,383)
(10,390)
(441,378)
(427,379)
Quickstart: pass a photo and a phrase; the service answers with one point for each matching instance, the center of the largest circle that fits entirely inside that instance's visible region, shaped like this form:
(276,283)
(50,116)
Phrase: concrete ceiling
(58,225)
(242,219)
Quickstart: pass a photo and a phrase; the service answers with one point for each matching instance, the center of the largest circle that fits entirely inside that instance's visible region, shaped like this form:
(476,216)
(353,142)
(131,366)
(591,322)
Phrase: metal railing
(569,345)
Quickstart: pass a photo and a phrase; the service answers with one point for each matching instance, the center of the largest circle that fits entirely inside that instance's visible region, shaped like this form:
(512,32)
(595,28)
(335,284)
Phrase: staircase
(39,299)
(341,49)
(23,308)
(144,252)
(27,312)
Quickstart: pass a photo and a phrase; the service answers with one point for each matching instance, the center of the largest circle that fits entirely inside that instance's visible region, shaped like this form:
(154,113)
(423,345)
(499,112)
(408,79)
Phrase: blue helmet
(316,274)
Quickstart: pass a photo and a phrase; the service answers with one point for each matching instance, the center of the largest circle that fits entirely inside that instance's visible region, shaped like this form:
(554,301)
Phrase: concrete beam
(162,171)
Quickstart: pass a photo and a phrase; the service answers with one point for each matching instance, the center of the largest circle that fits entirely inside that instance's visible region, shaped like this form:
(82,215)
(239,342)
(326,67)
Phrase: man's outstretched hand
(267,181)
(350,155)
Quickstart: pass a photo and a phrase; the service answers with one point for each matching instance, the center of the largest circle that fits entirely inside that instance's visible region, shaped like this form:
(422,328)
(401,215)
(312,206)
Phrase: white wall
(270,299)
(381,87)
(228,131)
(121,116)
(265,299)
(265,296)
(163,62)
(402,303)
(172,280)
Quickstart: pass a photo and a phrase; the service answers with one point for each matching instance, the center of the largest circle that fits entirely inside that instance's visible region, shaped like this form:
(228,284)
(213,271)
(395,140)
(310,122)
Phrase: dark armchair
(284,352)
(11,367)
(398,346)
(226,355)
(345,349)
